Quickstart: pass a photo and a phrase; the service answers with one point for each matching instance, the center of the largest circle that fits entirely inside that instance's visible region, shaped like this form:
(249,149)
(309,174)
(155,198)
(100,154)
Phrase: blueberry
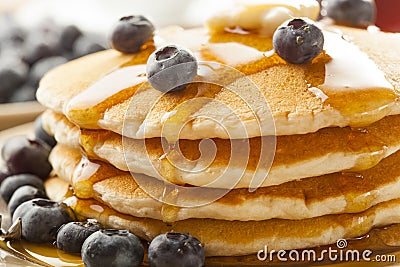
(110,248)
(41,218)
(70,237)
(176,249)
(86,45)
(41,134)
(10,31)
(68,37)
(41,43)
(3,175)
(130,33)
(46,32)
(13,182)
(26,156)
(36,51)
(23,194)
(42,66)
(13,73)
(297,41)
(171,68)
(23,94)
(355,13)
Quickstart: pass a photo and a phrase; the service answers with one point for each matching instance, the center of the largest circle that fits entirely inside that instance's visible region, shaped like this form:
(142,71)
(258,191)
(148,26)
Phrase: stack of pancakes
(301,155)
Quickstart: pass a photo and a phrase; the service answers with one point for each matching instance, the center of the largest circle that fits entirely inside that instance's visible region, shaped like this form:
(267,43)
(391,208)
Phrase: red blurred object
(388,15)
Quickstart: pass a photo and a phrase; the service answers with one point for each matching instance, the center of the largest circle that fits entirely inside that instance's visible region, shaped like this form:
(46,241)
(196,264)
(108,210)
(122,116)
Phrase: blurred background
(37,35)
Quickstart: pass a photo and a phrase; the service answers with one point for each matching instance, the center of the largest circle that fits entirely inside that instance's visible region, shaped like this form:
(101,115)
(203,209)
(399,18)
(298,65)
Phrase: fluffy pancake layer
(142,196)
(272,97)
(299,156)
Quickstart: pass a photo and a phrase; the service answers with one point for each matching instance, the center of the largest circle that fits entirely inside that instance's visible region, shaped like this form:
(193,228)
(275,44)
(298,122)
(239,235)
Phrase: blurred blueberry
(23,155)
(3,175)
(355,13)
(13,73)
(41,134)
(35,51)
(70,237)
(10,31)
(86,44)
(68,37)
(23,94)
(23,194)
(42,66)
(41,218)
(42,42)
(13,182)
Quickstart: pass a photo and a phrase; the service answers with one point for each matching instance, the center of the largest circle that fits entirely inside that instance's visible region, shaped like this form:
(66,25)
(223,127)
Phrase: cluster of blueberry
(27,54)
(26,167)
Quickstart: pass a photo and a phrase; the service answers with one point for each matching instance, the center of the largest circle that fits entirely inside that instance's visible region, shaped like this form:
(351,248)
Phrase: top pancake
(346,85)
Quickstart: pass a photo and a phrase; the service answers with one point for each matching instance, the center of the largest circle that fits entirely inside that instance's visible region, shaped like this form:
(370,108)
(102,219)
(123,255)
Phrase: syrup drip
(167,170)
(169,199)
(371,149)
(81,179)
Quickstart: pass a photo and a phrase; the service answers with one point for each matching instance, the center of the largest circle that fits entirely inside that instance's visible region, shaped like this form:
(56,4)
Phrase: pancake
(350,84)
(299,156)
(311,197)
(233,238)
